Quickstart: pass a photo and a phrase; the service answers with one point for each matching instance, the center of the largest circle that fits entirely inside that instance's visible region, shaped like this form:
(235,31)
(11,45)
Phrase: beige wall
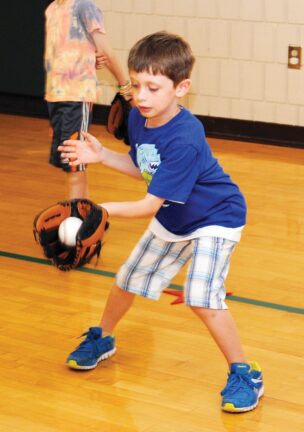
(240,47)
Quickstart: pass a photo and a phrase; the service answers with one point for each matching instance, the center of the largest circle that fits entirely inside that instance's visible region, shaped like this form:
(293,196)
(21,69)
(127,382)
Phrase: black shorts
(67,119)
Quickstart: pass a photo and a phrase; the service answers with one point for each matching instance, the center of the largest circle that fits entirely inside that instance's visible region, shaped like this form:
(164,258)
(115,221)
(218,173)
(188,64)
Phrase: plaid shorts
(154,262)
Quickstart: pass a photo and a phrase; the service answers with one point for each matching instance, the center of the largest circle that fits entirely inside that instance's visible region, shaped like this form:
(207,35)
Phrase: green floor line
(173,286)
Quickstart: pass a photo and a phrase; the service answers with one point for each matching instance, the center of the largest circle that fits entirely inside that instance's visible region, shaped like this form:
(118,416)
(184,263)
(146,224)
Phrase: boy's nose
(141,94)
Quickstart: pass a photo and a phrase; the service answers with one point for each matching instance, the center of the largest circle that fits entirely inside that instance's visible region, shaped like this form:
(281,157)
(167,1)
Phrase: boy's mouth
(143,109)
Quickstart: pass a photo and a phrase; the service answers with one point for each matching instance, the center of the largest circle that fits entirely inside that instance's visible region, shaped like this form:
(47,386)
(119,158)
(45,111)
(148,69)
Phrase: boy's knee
(201,310)
(205,313)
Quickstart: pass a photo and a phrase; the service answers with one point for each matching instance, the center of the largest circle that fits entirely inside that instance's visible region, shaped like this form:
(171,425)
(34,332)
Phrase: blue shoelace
(88,343)
(236,382)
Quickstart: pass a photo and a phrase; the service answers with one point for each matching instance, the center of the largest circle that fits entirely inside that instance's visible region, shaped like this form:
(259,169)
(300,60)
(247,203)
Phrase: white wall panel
(276,83)
(241,40)
(287,114)
(240,48)
(276,10)
(230,78)
(206,8)
(263,112)
(241,109)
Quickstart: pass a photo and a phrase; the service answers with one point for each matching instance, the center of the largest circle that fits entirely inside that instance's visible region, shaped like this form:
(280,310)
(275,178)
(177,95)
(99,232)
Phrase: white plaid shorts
(154,262)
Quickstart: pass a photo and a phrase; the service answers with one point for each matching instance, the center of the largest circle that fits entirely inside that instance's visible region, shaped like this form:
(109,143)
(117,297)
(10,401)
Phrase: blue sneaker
(244,387)
(92,350)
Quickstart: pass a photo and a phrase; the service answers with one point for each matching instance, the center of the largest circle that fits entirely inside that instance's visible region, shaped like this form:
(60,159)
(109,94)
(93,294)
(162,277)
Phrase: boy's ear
(183,87)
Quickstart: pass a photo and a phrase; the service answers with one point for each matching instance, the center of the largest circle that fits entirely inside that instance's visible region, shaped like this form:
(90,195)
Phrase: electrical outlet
(294,57)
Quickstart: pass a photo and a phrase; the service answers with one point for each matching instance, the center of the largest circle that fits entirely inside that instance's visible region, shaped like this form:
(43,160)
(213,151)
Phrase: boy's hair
(162,53)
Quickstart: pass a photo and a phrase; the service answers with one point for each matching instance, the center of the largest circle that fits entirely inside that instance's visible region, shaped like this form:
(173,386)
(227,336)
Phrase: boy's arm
(92,151)
(120,162)
(103,47)
(145,207)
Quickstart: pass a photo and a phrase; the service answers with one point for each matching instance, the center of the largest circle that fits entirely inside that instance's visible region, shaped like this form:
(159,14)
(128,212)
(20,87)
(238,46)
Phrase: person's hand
(101,60)
(82,152)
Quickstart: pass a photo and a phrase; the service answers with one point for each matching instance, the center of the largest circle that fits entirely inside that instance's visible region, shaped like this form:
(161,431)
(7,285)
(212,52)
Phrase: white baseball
(68,230)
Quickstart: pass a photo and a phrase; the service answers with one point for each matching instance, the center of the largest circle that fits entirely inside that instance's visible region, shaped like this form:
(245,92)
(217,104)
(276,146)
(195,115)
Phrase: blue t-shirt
(177,164)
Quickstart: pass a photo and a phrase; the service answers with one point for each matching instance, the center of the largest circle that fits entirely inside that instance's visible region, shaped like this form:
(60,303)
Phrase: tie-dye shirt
(70,51)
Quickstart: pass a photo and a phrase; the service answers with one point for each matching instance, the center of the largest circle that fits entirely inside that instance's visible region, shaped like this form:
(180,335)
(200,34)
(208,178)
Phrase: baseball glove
(88,239)
(117,122)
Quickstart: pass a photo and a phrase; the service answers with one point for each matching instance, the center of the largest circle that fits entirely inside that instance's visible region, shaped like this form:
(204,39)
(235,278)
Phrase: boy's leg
(99,344)
(149,269)
(205,294)
(143,274)
(117,305)
(222,327)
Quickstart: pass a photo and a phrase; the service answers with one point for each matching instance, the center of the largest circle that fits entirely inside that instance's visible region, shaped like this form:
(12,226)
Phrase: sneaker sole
(229,407)
(74,365)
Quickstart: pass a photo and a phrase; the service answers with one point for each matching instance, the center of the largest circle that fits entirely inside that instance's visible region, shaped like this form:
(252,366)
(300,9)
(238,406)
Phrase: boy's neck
(154,122)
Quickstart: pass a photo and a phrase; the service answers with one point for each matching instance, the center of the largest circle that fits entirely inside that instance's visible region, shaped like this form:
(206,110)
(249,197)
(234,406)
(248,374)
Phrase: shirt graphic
(148,160)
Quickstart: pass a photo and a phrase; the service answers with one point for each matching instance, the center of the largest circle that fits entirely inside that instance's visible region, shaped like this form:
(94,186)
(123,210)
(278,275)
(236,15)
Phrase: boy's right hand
(82,152)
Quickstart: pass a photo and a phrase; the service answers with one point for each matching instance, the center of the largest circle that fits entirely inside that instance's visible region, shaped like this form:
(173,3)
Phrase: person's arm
(103,47)
(145,207)
(92,151)
(101,60)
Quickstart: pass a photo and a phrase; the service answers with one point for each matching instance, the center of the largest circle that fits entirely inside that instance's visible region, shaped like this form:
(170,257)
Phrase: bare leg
(222,327)
(77,183)
(118,304)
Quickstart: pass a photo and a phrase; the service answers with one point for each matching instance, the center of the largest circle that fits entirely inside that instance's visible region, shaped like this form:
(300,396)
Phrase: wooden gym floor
(167,373)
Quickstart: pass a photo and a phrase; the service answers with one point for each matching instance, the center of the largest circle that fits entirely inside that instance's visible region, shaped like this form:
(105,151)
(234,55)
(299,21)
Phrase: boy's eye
(152,89)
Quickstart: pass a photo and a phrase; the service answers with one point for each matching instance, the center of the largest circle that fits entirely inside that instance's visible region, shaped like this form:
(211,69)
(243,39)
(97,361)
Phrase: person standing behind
(75,45)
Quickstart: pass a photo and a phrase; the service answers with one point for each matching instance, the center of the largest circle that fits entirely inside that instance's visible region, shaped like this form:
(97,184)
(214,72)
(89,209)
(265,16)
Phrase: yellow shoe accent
(255,366)
(229,407)
(72,364)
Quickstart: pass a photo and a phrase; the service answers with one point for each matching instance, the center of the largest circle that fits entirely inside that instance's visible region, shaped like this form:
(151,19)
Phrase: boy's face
(156,97)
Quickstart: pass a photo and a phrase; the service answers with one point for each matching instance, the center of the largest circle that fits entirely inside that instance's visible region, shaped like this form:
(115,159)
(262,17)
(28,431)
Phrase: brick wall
(240,47)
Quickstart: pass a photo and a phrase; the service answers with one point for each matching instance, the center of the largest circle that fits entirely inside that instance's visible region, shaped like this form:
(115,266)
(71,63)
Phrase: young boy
(198,213)
(75,34)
